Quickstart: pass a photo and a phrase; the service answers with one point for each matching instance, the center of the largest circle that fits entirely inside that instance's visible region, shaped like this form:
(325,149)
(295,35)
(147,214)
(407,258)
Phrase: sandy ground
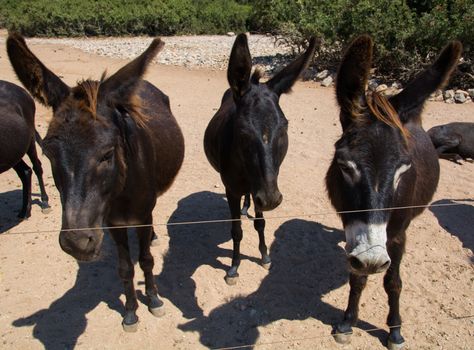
(49,300)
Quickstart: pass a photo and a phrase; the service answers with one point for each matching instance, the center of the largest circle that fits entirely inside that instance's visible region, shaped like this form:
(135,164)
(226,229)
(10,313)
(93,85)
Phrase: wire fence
(216,221)
(322,336)
(283,217)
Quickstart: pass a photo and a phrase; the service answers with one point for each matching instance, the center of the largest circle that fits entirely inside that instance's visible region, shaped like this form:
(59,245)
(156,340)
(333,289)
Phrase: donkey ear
(353,75)
(43,84)
(283,81)
(409,102)
(122,85)
(240,66)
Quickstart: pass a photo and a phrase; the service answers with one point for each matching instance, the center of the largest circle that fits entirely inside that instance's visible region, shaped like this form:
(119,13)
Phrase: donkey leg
(393,287)
(126,273)
(236,231)
(155,305)
(38,169)
(246,205)
(343,330)
(259,225)
(24,172)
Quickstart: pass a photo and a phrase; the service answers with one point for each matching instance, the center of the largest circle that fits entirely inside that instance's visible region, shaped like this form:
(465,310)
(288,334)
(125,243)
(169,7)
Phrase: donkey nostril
(385,265)
(356,263)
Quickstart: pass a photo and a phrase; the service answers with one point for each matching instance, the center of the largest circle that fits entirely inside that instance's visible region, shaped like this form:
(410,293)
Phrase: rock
(381,88)
(448,94)
(459,91)
(396,85)
(468,99)
(372,85)
(322,75)
(449,100)
(327,81)
(471,92)
(391,91)
(459,97)
(230,34)
(439,98)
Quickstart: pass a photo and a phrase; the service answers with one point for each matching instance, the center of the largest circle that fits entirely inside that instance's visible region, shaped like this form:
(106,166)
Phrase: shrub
(123,17)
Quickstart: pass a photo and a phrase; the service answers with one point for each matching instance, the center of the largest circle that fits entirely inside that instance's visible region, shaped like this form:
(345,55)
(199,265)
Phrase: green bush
(407,33)
(123,17)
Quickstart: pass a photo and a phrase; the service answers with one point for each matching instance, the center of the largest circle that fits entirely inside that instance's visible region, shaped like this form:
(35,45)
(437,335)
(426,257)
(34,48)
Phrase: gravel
(188,51)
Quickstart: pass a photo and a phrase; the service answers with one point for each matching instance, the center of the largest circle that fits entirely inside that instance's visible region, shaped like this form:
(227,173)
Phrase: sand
(49,300)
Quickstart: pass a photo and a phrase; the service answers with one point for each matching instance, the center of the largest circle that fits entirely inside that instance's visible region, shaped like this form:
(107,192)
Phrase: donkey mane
(382,110)
(86,93)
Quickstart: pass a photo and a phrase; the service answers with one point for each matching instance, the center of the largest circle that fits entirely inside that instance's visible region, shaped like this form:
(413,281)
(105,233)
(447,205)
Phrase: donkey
(246,141)
(114,146)
(454,141)
(17,137)
(384,159)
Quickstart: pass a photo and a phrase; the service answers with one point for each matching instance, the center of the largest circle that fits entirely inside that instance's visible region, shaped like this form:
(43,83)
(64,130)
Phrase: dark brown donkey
(114,147)
(454,141)
(384,159)
(17,137)
(246,141)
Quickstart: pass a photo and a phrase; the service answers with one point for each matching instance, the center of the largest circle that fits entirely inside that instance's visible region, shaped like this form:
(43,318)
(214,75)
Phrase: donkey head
(373,166)
(87,140)
(260,127)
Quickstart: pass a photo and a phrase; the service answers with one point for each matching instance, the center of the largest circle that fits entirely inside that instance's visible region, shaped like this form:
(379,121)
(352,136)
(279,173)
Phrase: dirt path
(49,300)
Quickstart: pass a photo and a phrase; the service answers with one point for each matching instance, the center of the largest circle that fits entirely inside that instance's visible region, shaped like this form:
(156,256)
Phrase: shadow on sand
(10,205)
(307,264)
(458,220)
(60,325)
(192,246)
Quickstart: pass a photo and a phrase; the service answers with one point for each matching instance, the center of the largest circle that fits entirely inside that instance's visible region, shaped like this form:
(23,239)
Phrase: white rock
(372,85)
(327,81)
(381,88)
(459,97)
(449,100)
(322,75)
(230,34)
(448,94)
(471,92)
(396,85)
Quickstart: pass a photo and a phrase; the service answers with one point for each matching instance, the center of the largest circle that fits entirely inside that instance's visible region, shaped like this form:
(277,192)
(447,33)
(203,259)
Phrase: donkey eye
(107,156)
(349,170)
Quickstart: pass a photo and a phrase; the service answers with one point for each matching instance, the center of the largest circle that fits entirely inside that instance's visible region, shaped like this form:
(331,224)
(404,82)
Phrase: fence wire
(216,221)
(322,336)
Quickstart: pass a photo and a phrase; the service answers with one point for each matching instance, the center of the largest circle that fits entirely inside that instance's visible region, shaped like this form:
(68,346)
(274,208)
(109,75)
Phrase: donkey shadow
(62,323)
(10,205)
(458,220)
(307,264)
(191,246)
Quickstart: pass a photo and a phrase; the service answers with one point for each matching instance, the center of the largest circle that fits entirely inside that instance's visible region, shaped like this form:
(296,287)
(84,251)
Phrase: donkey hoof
(130,322)
(157,311)
(231,280)
(46,209)
(156,306)
(342,338)
(266,262)
(395,346)
(232,276)
(342,333)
